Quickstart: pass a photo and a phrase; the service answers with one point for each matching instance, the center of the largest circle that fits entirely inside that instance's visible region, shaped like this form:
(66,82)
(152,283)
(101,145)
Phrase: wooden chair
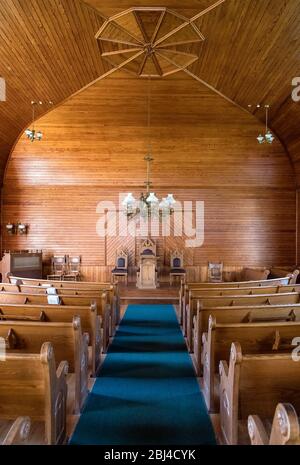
(215,272)
(121,269)
(58,265)
(176,264)
(285,428)
(73,268)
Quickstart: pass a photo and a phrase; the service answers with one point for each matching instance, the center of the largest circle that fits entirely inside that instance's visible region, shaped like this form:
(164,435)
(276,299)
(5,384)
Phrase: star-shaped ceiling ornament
(150,41)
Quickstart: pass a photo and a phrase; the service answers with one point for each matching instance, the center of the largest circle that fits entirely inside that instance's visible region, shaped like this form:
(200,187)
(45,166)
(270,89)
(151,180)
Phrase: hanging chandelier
(32,134)
(148,204)
(268,137)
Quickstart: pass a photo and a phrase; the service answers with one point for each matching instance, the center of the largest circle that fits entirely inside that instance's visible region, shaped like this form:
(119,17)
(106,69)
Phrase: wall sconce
(18,228)
(10,228)
(21,228)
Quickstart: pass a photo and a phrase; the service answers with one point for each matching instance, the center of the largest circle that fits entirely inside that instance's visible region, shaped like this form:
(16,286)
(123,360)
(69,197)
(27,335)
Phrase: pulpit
(147,272)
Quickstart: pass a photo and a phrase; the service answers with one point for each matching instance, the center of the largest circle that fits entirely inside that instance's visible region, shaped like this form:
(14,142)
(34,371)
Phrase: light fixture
(21,228)
(18,228)
(32,134)
(148,204)
(268,137)
(10,228)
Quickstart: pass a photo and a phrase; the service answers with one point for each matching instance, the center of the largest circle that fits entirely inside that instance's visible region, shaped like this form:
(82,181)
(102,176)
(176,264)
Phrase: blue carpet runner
(146,392)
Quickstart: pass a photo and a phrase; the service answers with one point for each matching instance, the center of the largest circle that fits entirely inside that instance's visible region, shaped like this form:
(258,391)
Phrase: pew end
(18,433)
(285,428)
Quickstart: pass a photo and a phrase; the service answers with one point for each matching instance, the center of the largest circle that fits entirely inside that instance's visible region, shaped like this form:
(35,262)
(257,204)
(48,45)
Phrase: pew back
(236,315)
(253,337)
(233,300)
(254,383)
(31,386)
(90,321)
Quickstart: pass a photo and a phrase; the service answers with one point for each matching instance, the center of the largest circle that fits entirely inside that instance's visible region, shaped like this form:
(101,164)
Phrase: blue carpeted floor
(146,392)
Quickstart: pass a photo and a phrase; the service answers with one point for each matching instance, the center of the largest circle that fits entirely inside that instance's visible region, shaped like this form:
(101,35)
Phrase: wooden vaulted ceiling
(250,54)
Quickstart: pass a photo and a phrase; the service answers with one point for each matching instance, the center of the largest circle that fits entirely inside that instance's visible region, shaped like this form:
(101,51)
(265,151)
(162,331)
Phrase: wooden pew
(185,287)
(234,300)
(253,337)
(103,309)
(236,315)
(90,322)
(222,292)
(30,385)
(285,429)
(68,342)
(18,433)
(76,286)
(254,383)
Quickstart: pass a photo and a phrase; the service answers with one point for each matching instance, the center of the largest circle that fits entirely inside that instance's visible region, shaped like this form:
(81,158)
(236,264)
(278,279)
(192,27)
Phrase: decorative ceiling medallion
(148,42)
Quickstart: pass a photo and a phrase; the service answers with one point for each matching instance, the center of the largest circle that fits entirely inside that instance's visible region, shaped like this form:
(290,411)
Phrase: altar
(147,271)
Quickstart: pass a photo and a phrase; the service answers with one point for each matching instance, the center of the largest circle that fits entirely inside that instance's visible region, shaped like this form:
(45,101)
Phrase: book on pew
(53,299)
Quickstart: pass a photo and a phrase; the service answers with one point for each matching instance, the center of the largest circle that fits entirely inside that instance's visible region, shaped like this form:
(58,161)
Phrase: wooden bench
(68,342)
(30,385)
(236,315)
(222,292)
(185,288)
(17,434)
(253,337)
(103,309)
(233,300)
(254,383)
(285,428)
(111,289)
(90,322)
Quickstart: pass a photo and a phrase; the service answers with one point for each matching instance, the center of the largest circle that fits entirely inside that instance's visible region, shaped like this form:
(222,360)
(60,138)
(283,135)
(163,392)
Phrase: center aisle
(146,392)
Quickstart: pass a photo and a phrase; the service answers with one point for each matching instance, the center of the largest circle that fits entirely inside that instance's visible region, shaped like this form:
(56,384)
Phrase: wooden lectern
(147,272)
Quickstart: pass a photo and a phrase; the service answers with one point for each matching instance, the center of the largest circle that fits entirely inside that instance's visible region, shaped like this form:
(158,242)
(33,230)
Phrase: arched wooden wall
(204,148)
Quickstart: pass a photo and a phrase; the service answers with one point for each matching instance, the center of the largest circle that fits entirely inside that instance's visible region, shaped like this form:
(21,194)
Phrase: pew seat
(254,383)
(254,338)
(196,302)
(236,315)
(68,342)
(31,385)
(90,322)
(108,320)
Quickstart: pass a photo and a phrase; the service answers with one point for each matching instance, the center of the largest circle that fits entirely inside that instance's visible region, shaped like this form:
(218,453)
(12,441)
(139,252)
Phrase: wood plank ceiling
(250,54)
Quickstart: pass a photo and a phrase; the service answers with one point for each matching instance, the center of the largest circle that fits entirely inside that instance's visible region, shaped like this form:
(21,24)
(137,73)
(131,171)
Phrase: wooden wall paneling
(204,149)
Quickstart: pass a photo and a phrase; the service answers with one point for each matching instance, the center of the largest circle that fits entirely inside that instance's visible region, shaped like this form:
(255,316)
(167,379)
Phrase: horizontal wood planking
(204,149)
(48,52)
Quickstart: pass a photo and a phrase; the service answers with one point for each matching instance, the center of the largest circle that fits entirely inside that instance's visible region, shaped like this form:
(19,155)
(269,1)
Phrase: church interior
(150,232)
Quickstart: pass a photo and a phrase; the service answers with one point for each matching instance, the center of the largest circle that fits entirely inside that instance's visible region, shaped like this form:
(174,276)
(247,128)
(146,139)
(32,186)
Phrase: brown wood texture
(249,55)
(204,149)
